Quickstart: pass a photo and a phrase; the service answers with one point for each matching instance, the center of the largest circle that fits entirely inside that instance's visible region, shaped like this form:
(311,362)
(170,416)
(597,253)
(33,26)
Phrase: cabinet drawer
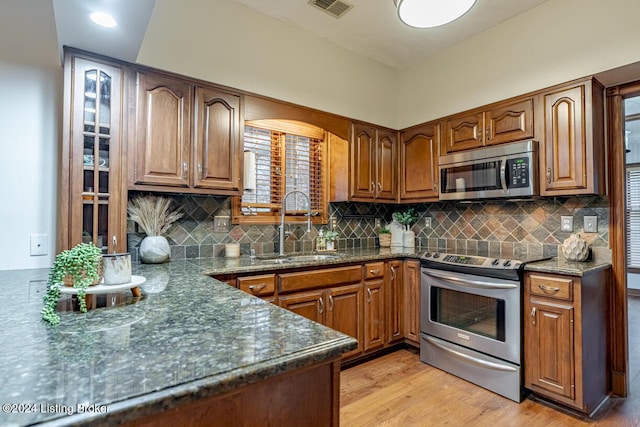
(551,287)
(374,270)
(258,285)
(292,282)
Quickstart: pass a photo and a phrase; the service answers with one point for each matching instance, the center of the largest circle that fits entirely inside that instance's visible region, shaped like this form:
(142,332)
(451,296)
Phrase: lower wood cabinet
(374,307)
(411,302)
(565,338)
(394,310)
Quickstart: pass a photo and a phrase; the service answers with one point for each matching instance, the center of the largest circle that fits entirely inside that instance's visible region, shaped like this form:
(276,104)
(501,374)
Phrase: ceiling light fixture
(103,19)
(431,13)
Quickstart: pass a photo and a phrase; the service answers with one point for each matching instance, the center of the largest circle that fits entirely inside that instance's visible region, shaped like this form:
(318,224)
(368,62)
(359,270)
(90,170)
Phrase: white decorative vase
(409,239)
(574,248)
(331,245)
(116,268)
(396,234)
(154,250)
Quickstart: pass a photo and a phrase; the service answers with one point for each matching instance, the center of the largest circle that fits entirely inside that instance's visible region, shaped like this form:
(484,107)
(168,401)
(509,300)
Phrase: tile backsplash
(507,229)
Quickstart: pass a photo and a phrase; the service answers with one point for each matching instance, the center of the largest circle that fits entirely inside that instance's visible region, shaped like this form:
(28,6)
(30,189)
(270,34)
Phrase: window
(633,218)
(284,156)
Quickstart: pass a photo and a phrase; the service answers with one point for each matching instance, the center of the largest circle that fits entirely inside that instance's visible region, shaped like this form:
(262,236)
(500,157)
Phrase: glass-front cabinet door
(95,206)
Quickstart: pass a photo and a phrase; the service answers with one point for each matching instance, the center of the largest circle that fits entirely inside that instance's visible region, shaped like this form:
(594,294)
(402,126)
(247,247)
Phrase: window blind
(633,217)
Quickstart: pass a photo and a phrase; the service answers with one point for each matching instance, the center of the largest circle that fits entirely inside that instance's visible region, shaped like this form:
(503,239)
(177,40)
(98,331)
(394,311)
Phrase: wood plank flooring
(398,390)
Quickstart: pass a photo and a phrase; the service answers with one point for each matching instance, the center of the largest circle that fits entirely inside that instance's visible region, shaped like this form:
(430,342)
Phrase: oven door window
(472,177)
(477,314)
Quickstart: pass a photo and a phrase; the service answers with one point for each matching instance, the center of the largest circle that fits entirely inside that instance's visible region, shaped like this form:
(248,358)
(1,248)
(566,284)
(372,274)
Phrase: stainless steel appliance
(503,171)
(470,319)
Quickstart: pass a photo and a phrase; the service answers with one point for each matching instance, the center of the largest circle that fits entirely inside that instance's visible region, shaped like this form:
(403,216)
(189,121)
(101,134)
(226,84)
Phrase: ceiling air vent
(335,8)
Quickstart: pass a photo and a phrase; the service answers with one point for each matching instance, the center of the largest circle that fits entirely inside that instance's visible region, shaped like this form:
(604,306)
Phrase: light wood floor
(398,390)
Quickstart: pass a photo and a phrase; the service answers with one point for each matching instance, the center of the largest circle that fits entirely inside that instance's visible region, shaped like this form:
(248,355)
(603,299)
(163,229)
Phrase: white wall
(555,42)
(227,43)
(30,116)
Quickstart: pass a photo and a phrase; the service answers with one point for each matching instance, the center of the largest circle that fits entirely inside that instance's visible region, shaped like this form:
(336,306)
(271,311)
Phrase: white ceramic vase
(154,250)
(331,245)
(575,248)
(409,239)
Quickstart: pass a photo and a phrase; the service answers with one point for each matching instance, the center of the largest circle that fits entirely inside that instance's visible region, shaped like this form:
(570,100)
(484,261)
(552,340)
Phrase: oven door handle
(470,359)
(469,283)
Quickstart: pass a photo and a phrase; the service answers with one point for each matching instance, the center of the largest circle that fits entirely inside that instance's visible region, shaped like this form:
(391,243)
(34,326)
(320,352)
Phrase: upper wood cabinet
(186,137)
(497,124)
(419,163)
(373,160)
(572,153)
(92,190)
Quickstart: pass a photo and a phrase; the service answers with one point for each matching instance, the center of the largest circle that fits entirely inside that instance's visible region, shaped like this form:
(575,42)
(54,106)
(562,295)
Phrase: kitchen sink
(322,257)
(276,261)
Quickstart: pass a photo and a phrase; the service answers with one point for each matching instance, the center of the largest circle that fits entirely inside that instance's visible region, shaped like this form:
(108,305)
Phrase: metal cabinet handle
(321,306)
(374,272)
(548,175)
(487,132)
(184,170)
(435,185)
(379,187)
(548,288)
(533,315)
(480,134)
(393,273)
(372,188)
(330,303)
(257,288)
(368,295)
(199,171)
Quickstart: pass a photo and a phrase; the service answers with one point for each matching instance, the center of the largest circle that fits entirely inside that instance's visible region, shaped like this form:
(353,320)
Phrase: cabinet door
(394,301)
(549,348)
(510,123)
(386,160)
(374,315)
(307,304)
(363,162)
(411,298)
(419,164)
(218,141)
(563,155)
(463,133)
(344,313)
(93,197)
(163,118)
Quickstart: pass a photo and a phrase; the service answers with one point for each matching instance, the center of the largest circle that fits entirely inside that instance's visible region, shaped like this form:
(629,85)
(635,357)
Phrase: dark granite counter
(562,266)
(189,337)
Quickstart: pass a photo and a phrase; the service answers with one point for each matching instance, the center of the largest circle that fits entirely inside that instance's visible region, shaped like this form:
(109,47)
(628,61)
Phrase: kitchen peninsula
(188,344)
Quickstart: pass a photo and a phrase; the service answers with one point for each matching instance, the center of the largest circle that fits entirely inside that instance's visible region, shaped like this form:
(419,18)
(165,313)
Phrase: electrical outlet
(220,224)
(566,223)
(377,223)
(590,224)
(333,223)
(39,244)
(427,222)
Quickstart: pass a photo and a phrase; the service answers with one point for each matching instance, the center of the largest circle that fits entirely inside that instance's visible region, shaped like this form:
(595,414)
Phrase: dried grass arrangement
(152,214)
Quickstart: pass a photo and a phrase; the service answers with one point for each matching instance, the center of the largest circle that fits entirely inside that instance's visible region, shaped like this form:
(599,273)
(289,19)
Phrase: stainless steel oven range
(470,319)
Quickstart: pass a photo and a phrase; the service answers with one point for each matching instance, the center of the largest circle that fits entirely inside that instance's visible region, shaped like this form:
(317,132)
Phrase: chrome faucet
(282,211)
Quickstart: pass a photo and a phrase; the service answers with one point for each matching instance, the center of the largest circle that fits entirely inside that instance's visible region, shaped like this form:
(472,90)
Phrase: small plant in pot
(154,216)
(384,236)
(407,218)
(80,267)
(330,237)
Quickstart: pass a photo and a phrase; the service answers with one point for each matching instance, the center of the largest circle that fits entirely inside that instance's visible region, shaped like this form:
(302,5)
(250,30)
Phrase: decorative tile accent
(508,229)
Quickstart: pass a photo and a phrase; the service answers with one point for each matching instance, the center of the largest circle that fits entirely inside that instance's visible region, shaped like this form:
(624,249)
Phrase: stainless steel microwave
(502,171)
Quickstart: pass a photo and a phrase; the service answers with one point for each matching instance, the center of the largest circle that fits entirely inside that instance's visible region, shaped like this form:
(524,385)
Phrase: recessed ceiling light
(103,19)
(431,13)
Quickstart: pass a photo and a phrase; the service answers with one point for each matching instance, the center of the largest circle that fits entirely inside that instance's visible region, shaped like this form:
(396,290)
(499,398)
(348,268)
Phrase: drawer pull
(533,315)
(257,288)
(375,272)
(548,289)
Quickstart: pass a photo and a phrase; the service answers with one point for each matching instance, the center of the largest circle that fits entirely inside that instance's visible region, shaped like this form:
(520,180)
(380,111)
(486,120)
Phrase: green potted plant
(384,237)
(80,267)
(330,237)
(407,218)
(154,216)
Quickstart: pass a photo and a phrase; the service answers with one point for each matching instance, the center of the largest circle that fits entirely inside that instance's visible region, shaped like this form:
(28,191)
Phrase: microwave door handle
(503,175)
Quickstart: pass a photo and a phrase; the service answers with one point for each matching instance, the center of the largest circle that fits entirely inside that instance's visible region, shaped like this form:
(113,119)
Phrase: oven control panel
(471,261)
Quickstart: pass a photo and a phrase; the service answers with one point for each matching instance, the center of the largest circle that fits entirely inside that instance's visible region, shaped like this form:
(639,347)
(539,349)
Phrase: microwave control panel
(518,172)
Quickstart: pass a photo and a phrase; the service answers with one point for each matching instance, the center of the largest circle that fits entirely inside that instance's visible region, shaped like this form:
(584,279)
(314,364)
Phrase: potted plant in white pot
(330,237)
(154,216)
(407,218)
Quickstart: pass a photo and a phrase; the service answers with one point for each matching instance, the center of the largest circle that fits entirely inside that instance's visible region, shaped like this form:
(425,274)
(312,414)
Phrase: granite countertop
(562,266)
(189,337)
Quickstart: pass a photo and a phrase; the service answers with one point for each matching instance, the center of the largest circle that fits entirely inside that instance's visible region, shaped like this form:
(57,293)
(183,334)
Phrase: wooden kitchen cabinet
(394,304)
(93,196)
(411,301)
(565,338)
(187,137)
(373,160)
(374,306)
(572,151)
(498,123)
(419,163)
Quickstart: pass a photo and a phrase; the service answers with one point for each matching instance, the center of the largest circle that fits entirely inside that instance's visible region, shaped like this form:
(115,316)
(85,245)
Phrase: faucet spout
(282,212)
